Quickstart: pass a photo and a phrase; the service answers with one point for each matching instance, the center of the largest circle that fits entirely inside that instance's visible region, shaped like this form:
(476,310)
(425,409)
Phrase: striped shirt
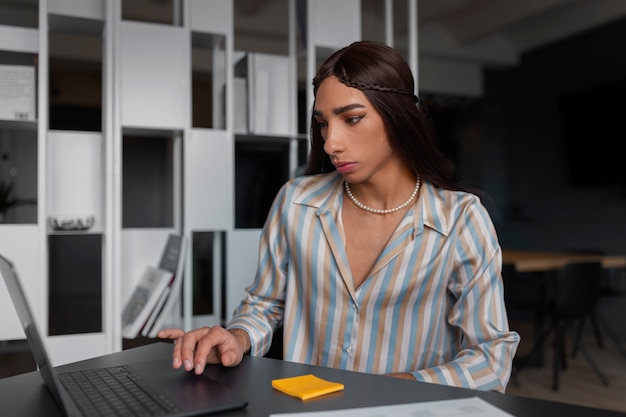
(432,305)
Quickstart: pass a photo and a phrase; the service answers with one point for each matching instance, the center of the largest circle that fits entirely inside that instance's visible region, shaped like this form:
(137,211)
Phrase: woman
(376,260)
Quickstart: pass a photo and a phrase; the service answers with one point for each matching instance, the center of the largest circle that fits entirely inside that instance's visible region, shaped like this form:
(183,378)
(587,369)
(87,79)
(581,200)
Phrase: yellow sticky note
(306,386)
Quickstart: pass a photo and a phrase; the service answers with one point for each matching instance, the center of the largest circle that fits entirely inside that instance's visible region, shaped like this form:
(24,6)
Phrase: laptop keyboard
(115,391)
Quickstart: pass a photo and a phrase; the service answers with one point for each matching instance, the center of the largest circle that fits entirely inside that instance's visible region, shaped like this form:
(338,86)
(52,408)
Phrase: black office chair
(276,348)
(525,298)
(594,317)
(523,294)
(610,288)
(575,297)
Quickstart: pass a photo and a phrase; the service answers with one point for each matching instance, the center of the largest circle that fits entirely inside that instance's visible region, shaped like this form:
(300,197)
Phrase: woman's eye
(321,124)
(353,120)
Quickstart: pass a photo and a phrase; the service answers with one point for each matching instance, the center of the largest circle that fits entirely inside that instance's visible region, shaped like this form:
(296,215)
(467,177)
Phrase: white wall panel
(72,348)
(242,258)
(19,39)
(215,16)
(209,180)
(154,75)
(335,24)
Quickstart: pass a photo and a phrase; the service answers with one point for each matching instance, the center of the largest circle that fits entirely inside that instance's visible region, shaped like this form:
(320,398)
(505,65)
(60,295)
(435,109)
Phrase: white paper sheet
(466,407)
(17,92)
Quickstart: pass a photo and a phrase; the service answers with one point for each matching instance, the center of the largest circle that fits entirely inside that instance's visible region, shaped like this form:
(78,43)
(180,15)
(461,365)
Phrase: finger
(231,353)
(216,346)
(189,344)
(205,349)
(229,358)
(171,334)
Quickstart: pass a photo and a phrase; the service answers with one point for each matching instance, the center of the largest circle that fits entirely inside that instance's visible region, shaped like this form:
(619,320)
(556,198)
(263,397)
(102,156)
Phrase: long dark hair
(384,76)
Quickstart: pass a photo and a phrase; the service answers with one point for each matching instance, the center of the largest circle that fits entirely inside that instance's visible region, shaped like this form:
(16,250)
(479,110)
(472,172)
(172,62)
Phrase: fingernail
(176,362)
(187,365)
(198,368)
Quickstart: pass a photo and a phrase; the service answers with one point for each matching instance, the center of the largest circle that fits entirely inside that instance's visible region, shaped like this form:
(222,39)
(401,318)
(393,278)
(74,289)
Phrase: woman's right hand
(195,348)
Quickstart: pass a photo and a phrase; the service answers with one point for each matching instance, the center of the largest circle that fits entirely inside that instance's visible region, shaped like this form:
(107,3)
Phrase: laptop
(175,391)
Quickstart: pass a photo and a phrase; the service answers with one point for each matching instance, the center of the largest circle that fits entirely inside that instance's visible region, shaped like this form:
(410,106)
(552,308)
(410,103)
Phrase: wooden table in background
(532,261)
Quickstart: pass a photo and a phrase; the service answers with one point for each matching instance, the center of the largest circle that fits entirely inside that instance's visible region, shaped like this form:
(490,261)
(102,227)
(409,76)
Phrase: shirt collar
(432,209)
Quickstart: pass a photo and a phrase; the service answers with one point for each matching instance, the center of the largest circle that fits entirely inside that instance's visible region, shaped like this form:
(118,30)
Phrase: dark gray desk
(26,395)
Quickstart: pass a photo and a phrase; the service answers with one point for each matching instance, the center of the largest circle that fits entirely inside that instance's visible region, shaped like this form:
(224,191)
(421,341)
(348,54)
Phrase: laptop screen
(27,319)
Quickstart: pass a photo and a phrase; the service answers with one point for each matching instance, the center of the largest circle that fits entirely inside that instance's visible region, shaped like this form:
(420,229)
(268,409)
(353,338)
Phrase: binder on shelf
(173,260)
(143,299)
(266,98)
(157,291)
(157,310)
(240,116)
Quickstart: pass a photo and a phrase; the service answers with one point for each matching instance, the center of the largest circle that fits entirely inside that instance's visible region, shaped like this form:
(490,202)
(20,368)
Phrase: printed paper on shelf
(157,310)
(17,92)
(173,259)
(143,300)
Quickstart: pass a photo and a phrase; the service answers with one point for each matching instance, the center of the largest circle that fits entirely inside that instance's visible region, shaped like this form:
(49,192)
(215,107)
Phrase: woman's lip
(344,168)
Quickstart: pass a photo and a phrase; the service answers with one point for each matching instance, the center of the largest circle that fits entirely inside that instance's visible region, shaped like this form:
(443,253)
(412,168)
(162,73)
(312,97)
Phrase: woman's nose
(332,141)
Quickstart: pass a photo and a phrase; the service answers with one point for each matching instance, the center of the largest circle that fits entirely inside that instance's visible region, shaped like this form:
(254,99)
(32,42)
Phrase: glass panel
(251,30)
(75,284)
(18,173)
(147,181)
(163,11)
(400,26)
(75,81)
(21,13)
(261,168)
(208,78)
(208,251)
(373,20)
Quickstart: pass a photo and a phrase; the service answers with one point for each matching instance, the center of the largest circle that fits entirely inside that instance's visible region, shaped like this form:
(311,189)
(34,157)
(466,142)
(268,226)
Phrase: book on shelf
(143,299)
(157,311)
(261,93)
(156,292)
(173,260)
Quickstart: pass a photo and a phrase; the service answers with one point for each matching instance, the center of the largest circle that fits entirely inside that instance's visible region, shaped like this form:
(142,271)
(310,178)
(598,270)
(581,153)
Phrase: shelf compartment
(75,74)
(76,176)
(75,284)
(23,14)
(208,80)
(18,169)
(262,165)
(149,178)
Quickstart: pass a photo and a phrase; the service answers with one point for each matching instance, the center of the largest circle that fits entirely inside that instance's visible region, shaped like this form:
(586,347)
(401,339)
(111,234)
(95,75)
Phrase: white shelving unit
(162,158)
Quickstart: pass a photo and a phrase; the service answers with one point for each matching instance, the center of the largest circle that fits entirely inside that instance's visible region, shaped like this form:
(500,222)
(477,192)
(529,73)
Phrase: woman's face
(354,133)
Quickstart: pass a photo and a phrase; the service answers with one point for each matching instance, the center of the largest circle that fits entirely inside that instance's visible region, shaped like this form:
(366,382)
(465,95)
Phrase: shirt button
(354,306)
(349,349)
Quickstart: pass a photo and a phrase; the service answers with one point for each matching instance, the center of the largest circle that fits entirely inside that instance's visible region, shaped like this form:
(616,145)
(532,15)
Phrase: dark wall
(558,119)
(546,205)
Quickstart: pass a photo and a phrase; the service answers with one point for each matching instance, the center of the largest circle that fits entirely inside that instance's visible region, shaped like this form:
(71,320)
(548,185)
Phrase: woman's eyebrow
(342,109)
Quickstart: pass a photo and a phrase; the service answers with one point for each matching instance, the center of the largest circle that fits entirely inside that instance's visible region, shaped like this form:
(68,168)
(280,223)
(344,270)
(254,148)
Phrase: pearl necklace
(379,211)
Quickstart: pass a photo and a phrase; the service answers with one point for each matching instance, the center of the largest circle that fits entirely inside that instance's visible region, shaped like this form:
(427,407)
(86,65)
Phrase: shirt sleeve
(261,311)
(486,346)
